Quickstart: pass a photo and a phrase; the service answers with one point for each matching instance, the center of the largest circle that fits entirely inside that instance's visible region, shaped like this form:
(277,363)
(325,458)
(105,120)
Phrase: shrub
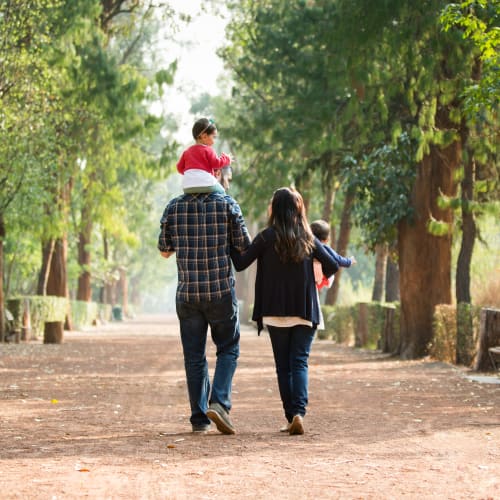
(443,345)
(42,309)
(339,324)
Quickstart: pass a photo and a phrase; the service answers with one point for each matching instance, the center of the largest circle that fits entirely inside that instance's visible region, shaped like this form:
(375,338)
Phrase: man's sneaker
(201,428)
(220,417)
(286,428)
(296,426)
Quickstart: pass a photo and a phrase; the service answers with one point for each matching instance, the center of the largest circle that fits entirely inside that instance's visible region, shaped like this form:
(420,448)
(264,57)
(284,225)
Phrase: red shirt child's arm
(215,162)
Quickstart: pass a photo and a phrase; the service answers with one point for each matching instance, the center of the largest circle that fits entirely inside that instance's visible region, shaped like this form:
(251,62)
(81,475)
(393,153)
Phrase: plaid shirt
(201,228)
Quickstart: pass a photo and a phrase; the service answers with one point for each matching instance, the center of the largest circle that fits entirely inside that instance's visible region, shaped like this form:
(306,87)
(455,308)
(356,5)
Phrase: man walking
(200,229)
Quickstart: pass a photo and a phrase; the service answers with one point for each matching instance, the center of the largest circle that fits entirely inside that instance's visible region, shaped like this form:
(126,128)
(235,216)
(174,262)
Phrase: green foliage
(77,141)
(478,22)
(382,182)
(438,227)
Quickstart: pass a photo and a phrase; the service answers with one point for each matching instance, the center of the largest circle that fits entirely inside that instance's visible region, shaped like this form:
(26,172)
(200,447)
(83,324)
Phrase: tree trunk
(462,281)
(381,252)
(330,191)
(43,276)
(489,336)
(361,330)
(390,338)
(425,259)
(123,287)
(303,184)
(57,285)
(2,298)
(342,243)
(84,291)
(391,280)
(105,294)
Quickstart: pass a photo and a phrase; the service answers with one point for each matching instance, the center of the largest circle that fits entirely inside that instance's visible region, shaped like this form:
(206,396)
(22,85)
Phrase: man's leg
(193,328)
(224,324)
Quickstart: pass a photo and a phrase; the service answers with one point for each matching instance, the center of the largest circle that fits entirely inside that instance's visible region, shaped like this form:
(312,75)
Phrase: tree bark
(57,282)
(123,287)
(392,280)
(489,336)
(381,252)
(2,298)
(43,276)
(57,285)
(342,243)
(425,259)
(462,281)
(330,192)
(84,291)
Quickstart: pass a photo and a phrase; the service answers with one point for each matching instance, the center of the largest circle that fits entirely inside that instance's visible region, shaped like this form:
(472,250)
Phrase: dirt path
(105,415)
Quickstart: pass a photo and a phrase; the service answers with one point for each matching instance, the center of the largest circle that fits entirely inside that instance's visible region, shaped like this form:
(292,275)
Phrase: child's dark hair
(203,125)
(321,229)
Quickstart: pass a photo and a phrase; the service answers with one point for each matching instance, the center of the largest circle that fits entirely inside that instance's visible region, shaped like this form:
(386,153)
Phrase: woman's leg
(280,341)
(301,338)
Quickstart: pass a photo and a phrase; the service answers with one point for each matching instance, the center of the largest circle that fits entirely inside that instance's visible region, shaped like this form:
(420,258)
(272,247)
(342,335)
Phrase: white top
(285,321)
(197,178)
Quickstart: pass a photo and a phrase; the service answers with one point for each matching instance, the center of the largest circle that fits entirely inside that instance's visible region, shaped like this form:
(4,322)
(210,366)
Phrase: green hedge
(454,336)
(361,325)
(455,333)
(443,344)
(85,314)
(47,308)
(370,325)
(339,324)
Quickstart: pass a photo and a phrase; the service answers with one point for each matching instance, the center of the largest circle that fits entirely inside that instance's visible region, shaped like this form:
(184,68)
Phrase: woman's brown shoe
(296,426)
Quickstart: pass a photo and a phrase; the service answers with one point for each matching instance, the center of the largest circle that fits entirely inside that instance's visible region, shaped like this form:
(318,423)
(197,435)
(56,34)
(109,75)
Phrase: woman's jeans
(291,348)
(194,319)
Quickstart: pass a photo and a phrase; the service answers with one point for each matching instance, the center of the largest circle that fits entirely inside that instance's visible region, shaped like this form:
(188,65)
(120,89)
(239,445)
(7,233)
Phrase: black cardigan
(283,289)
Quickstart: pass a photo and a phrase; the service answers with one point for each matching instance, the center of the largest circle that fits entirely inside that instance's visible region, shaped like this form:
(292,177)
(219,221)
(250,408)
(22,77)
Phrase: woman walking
(286,300)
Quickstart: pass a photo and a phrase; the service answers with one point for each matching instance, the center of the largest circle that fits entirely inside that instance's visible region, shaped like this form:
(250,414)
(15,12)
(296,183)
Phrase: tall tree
(391,73)
(26,155)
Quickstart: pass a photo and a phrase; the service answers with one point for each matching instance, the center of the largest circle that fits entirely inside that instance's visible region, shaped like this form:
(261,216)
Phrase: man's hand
(166,255)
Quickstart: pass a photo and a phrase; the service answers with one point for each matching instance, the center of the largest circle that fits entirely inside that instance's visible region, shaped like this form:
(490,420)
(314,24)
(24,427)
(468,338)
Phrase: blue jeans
(194,319)
(291,348)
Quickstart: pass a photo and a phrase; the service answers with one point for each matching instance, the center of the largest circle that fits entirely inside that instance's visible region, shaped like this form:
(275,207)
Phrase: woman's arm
(241,260)
(328,263)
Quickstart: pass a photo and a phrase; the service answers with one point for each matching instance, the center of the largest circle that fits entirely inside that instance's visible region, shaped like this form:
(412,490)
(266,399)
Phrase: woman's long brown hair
(294,239)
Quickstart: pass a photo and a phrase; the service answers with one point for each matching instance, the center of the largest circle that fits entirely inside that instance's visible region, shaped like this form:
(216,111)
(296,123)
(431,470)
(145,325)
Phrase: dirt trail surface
(105,415)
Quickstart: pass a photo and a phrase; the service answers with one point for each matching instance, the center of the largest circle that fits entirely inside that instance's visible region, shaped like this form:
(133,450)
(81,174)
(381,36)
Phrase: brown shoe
(286,428)
(296,426)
